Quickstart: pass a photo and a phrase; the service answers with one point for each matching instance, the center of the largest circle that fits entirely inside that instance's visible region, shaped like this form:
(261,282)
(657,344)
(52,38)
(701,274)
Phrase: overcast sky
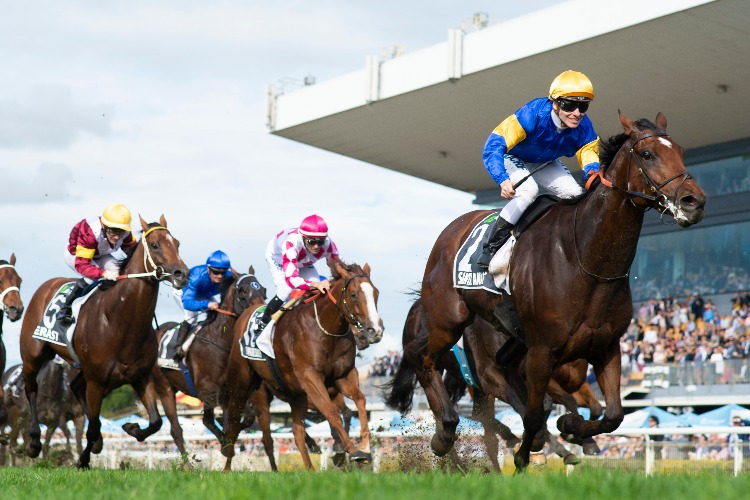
(160,105)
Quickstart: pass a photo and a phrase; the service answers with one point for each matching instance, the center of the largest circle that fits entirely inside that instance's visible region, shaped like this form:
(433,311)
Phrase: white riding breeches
(554,178)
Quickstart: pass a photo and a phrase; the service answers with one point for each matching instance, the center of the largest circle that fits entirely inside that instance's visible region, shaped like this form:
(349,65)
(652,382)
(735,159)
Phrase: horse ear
(627,124)
(144,224)
(366,269)
(12,259)
(251,270)
(162,221)
(661,121)
(336,269)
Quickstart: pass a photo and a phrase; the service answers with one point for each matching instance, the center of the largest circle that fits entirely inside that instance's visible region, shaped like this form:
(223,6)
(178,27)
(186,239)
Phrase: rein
(158,272)
(345,312)
(7,290)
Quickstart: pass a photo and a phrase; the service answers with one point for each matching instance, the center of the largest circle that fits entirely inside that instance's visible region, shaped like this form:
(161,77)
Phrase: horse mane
(4,261)
(129,252)
(609,148)
(226,285)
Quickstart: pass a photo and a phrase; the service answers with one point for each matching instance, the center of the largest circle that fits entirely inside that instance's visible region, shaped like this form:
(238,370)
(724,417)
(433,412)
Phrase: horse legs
(262,410)
(299,410)
(146,391)
(241,382)
(349,387)
(34,445)
(93,398)
(607,370)
(167,397)
(482,409)
(538,374)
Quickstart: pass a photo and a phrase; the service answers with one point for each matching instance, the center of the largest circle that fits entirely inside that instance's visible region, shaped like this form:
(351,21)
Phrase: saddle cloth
(466,273)
(50,330)
(264,342)
(168,349)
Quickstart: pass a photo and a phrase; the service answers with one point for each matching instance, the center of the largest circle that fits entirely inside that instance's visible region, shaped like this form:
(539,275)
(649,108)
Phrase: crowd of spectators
(709,347)
(725,280)
(385,366)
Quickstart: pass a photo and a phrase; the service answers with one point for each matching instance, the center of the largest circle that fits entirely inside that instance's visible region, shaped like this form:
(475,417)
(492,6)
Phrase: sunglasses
(570,106)
(115,230)
(315,241)
(217,272)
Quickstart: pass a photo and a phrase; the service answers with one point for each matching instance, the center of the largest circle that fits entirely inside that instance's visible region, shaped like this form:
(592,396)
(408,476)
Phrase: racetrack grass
(62,484)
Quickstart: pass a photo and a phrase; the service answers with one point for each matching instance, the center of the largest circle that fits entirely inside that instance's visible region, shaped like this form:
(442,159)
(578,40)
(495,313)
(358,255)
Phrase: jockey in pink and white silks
(291,256)
(526,146)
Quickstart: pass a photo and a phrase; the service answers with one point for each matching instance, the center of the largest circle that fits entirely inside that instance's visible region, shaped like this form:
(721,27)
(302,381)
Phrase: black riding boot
(496,240)
(273,305)
(65,314)
(182,334)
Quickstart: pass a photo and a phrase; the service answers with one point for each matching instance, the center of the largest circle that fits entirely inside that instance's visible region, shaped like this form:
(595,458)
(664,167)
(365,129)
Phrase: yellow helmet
(117,216)
(572,85)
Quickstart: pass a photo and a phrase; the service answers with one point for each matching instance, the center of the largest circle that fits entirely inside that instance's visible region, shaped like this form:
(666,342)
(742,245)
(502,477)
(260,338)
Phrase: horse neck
(608,224)
(141,292)
(329,314)
(221,327)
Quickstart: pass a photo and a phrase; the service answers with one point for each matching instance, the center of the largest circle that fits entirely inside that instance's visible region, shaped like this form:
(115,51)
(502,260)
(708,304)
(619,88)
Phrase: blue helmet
(218,260)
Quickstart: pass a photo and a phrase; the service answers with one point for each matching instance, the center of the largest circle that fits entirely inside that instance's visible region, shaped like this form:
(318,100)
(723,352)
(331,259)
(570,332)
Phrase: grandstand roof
(429,112)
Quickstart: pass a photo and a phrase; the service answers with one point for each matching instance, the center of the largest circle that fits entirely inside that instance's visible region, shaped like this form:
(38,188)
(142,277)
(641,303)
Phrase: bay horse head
(655,176)
(161,258)
(10,293)
(357,299)
(248,291)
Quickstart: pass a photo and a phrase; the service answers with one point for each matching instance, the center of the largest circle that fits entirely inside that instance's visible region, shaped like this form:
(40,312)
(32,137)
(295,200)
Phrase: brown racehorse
(12,306)
(568,384)
(315,350)
(207,357)
(568,280)
(114,339)
(56,404)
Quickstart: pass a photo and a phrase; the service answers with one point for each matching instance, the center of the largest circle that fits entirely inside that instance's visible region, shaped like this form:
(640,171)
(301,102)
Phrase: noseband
(5,292)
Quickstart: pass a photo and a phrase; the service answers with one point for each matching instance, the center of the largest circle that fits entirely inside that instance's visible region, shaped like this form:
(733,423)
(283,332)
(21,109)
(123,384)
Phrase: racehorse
(114,339)
(207,358)
(12,306)
(56,404)
(567,386)
(260,407)
(568,280)
(315,346)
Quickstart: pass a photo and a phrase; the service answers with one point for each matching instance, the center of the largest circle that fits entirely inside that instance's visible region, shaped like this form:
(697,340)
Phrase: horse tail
(456,387)
(399,391)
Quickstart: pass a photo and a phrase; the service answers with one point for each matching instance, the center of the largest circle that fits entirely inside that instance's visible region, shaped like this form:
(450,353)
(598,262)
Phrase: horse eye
(354,295)
(647,155)
(154,245)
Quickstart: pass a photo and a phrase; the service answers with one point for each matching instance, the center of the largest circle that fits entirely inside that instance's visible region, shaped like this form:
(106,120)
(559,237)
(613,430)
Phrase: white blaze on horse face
(372,309)
(665,142)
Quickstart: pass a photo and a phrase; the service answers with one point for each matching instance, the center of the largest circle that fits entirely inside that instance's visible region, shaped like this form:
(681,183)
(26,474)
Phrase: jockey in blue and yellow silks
(531,140)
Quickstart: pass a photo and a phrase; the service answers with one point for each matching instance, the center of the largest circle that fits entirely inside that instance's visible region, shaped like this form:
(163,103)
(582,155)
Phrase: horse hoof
(569,423)
(520,463)
(571,459)
(591,448)
(537,459)
(441,446)
(33,449)
(98,445)
(82,466)
(361,457)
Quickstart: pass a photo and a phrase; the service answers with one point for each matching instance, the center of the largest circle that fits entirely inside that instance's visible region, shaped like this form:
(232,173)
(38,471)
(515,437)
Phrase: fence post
(649,455)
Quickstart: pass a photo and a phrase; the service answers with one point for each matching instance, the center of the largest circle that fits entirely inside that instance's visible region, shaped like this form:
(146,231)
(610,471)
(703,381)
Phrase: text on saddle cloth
(263,343)
(50,330)
(466,272)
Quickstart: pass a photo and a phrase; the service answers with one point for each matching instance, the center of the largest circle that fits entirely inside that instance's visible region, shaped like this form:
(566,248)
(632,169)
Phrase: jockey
(201,294)
(95,249)
(291,256)
(531,140)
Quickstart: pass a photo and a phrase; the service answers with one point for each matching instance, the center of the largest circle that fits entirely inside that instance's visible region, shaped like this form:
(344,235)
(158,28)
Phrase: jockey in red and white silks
(94,254)
(292,265)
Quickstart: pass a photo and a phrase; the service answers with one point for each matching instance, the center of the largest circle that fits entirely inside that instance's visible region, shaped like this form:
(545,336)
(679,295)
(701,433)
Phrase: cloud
(49,182)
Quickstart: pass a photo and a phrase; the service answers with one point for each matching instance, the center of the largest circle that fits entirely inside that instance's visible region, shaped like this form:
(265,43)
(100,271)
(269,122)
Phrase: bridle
(343,307)
(659,197)
(157,272)
(5,292)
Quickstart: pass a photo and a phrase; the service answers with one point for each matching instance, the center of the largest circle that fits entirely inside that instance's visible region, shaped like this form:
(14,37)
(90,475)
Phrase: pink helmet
(314,226)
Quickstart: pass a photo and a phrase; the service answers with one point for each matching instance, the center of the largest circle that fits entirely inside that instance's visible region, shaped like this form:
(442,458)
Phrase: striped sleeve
(289,266)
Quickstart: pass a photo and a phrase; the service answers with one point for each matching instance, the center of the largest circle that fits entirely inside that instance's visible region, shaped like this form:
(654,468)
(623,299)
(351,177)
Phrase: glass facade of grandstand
(711,259)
